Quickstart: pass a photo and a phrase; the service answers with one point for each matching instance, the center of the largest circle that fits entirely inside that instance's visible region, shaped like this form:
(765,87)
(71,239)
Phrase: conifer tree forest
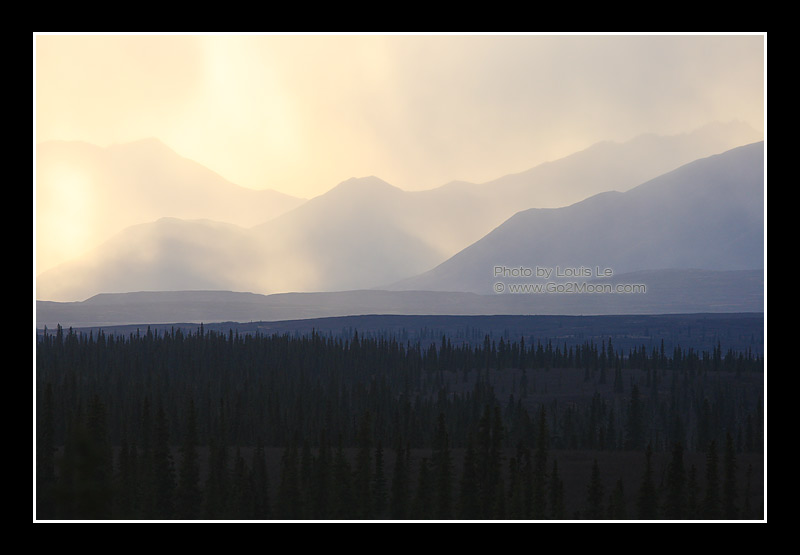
(225,426)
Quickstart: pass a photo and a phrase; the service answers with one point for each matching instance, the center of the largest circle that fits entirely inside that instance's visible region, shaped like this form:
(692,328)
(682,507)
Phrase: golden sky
(300,114)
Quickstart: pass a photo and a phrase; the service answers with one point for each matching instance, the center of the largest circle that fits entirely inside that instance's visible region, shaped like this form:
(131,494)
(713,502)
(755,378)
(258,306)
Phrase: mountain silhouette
(708,214)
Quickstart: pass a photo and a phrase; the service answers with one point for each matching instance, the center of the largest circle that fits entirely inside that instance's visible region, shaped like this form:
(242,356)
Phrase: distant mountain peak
(364,185)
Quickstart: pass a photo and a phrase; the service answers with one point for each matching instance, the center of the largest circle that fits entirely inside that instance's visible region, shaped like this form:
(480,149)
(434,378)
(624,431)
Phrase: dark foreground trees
(215,426)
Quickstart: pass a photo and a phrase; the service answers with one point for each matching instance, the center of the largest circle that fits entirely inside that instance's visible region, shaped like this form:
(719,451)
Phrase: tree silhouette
(469,500)
(557,510)
(729,494)
(288,503)
(400,484)
(635,431)
(255,394)
(163,468)
(711,509)
(362,477)
(188,495)
(648,502)
(595,494)
(442,468)
(616,508)
(45,458)
(675,496)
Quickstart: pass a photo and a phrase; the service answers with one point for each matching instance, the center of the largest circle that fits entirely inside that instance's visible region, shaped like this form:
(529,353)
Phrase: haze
(277,163)
(300,114)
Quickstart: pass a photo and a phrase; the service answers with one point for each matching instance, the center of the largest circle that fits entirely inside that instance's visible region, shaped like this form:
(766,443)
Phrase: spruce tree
(218,479)
(526,479)
(421,509)
(84,487)
(188,495)
(489,460)
(595,494)
(500,511)
(128,480)
(288,503)
(515,502)
(321,483)
(469,500)
(484,474)
(540,467)
(163,468)
(635,430)
(398,506)
(242,497)
(101,458)
(557,510)
(611,431)
(711,509)
(260,481)
(747,510)
(729,494)
(146,472)
(675,497)
(691,493)
(647,503)
(342,493)
(379,493)
(305,478)
(45,458)
(362,477)
(70,475)
(442,468)
(616,508)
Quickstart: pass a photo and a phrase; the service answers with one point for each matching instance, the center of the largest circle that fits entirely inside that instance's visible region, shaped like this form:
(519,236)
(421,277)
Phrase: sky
(301,113)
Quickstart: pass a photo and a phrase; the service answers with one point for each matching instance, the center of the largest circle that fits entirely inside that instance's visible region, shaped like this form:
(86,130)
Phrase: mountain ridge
(633,240)
(86,194)
(362,233)
(668,292)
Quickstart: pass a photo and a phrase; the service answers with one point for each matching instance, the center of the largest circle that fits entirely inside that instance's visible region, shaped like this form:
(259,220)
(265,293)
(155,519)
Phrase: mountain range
(668,292)
(104,191)
(365,233)
(708,214)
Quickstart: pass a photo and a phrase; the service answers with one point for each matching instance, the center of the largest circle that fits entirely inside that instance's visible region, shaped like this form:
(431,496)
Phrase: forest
(208,425)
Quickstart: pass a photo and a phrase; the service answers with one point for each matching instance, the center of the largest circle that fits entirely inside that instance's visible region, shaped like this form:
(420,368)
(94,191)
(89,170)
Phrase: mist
(298,113)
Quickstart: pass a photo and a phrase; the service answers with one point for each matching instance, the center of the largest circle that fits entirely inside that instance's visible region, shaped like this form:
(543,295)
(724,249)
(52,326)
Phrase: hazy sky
(301,113)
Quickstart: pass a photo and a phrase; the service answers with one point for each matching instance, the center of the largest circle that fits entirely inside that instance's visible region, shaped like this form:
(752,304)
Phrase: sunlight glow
(69,204)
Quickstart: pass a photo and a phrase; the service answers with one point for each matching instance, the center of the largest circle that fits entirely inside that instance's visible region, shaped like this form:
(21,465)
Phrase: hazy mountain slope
(610,166)
(465,212)
(168,254)
(364,229)
(352,237)
(85,194)
(707,214)
(342,240)
(363,233)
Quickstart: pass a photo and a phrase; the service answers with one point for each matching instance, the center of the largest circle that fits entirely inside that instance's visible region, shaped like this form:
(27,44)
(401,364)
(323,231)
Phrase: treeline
(112,409)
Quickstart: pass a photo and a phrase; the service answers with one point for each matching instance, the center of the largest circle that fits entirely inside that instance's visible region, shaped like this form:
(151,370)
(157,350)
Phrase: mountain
(708,214)
(169,254)
(351,237)
(668,292)
(356,235)
(363,233)
(85,194)
(440,222)
(604,166)
(611,166)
